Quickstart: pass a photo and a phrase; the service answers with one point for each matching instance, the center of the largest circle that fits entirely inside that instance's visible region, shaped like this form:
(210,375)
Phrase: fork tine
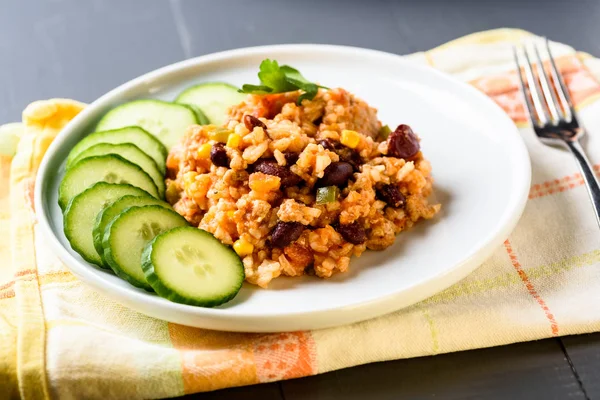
(530,109)
(561,88)
(523,87)
(534,89)
(547,89)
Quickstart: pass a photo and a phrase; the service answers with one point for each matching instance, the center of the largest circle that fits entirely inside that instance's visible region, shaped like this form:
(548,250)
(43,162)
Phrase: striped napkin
(61,339)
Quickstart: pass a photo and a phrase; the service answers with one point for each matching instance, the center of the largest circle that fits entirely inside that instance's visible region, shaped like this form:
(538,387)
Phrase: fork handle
(588,175)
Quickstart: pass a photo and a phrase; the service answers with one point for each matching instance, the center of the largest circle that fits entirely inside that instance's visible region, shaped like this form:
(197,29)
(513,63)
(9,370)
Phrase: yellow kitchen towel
(60,339)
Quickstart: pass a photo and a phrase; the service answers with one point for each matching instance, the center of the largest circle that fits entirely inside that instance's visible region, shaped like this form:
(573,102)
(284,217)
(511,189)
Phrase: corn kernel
(204,151)
(219,135)
(231,214)
(242,247)
(350,138)
(234,140)
(189,178)
(264,183)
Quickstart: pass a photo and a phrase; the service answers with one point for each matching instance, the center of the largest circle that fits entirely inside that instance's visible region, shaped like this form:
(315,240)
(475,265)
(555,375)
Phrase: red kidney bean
(403,143)
(391,195)
(218,155)
(352,233)
(350,156)
(291,158)
(285,233)
(328,144)
(251,122)
(336,174)
(346,153)
(270,167)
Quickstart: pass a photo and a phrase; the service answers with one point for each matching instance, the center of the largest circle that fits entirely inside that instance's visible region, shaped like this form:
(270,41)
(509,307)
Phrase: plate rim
(221,318)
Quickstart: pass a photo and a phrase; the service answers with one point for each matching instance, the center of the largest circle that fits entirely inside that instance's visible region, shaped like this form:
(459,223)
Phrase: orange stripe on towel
(559,185)
(25,272)
(7,285)
(531,288)
(7,294)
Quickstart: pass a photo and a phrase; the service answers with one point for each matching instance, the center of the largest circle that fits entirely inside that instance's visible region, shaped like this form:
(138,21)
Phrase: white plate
(480,165)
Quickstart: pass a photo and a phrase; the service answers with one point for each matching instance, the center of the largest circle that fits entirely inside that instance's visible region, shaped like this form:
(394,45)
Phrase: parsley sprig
(280,79)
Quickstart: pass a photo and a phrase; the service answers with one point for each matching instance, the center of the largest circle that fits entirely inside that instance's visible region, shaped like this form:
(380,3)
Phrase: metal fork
(554,119)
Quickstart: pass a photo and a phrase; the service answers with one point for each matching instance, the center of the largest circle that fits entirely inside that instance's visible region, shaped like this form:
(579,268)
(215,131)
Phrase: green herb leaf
(293,75)
(310,91)
(281,79)
(255,89)
(273,76)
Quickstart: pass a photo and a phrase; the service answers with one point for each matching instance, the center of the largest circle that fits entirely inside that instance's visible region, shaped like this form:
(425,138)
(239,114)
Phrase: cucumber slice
(81,212)
(190,266)
(202,118)
(126,235)
(167,121)
(213,98)
(113,209)
(109,168)
(131,134)
(131,153)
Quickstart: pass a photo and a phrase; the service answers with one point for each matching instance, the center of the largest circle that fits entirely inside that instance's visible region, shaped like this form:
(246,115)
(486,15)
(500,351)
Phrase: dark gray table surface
(81,49)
